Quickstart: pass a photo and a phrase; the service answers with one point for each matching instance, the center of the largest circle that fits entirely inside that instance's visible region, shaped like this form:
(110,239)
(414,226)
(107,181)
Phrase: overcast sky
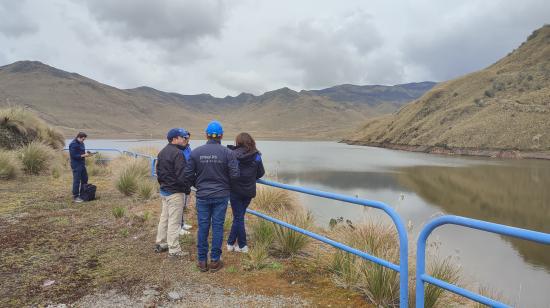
(226,47)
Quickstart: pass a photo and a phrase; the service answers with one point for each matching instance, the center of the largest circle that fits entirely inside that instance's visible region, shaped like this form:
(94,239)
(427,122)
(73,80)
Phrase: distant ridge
(74,102)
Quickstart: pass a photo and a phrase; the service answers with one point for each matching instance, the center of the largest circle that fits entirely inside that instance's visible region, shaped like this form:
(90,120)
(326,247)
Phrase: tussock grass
(257,257)
(146,188)
(262,232)
(287,241)
(130,175)
(270,200)
(96,166)
(10,167)
(118,212)
(19,127)
(36,158)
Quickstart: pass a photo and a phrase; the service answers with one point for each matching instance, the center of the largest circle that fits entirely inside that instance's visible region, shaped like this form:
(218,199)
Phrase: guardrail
(402,268)
(152,159)
(422,277)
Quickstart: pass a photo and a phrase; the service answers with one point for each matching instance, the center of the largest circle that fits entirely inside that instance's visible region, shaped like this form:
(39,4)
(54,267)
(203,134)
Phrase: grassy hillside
(503,107)
(73,102)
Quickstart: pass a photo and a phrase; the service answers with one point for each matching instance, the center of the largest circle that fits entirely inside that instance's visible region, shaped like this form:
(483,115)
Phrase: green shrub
(131,173)
(36,157)
(290,242)
(118,212)
(10,167)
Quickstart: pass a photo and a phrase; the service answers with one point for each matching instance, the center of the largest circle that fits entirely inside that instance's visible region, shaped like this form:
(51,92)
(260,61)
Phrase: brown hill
(503,107)
(73,102)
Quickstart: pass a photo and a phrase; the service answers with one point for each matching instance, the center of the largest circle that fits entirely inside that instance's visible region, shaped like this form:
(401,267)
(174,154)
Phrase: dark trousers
(80,176)
(239,204)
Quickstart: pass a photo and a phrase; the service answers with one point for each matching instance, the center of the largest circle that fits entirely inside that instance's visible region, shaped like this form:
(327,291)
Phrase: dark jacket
(76,149)
(211,168)
(170,170)
(251,167)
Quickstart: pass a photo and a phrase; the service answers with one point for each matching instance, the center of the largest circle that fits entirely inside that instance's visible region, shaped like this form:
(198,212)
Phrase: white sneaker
(186,226)
(184,232)
(241,250)
(230,247)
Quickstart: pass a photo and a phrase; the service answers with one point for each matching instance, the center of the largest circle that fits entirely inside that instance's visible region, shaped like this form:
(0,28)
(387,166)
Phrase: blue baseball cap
(175,132)
(214,129)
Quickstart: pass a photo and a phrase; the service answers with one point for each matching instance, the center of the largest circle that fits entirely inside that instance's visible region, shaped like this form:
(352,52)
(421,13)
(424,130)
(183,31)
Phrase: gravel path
(191,295)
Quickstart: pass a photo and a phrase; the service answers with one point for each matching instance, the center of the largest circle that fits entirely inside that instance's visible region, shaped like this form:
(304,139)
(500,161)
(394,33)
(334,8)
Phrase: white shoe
(186,226)
(184,232)
(241,250)
(230,247)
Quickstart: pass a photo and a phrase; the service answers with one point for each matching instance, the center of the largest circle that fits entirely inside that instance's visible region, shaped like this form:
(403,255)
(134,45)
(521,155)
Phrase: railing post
(153,161)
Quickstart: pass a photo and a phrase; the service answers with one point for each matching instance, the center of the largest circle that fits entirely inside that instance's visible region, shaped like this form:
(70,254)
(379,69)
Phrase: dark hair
(246,141)
(81,135)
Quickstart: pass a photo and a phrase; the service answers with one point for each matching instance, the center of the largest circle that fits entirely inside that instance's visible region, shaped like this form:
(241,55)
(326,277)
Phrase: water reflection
(517,194)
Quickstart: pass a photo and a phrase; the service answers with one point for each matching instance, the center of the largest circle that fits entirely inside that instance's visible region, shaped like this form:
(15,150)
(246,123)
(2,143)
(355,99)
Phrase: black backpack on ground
(87,192)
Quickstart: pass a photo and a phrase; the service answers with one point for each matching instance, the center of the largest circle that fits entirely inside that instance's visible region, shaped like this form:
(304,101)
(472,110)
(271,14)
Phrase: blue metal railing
(402,268)
(421,275)
(152,159)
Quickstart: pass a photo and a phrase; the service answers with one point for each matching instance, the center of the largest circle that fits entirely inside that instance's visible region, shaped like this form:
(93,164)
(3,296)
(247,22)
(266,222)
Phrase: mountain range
(73,102)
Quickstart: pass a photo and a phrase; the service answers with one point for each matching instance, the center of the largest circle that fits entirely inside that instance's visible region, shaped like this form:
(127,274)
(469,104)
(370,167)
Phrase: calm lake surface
(421,186)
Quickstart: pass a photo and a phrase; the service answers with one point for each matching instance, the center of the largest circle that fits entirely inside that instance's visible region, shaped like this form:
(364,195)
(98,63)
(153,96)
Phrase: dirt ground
(54,251)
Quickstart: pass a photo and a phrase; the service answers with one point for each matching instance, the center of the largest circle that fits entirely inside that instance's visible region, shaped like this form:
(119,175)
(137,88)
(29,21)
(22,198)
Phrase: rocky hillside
(504,107)
(73,102)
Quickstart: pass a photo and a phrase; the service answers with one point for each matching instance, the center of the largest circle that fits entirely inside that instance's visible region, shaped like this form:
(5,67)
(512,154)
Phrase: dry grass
(36,158)
(10,166)
(19,126)
(504,106)
(131,174)
(147,150)
(271,200)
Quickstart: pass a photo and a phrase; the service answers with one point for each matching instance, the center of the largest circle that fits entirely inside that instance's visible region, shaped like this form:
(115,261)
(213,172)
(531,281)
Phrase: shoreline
(450,151)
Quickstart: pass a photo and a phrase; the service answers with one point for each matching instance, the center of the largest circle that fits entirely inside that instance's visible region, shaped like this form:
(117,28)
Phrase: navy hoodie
(76,149)
(251,167)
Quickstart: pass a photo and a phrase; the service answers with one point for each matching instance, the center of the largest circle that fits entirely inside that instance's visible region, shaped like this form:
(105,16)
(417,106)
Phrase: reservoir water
(421,186)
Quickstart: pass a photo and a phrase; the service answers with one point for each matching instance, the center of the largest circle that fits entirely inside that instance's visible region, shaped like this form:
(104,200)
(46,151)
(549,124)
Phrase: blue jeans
(210,212)
(80,176)
(239,204)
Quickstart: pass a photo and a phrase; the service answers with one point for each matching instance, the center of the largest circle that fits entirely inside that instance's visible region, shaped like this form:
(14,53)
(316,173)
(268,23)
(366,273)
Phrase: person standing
(244,188)
(77,152)
(186,152)
(211,168)
(170,175)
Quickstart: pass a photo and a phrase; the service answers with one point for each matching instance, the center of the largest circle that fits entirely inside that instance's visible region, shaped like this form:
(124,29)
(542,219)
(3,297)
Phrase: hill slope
(73,102)
(503,107)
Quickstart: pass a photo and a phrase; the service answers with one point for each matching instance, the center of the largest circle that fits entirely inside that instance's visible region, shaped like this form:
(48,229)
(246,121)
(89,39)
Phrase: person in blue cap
(173,185)
(186,152)
(211,168)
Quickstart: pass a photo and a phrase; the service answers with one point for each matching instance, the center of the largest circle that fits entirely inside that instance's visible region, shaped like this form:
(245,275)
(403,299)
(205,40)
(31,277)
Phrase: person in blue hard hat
(211,168)
(173,186)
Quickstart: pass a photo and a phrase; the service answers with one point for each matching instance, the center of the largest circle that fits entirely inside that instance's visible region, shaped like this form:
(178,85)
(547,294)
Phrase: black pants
(80,176)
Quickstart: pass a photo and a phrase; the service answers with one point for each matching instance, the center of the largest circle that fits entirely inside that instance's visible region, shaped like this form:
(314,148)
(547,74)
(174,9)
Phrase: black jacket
(251,167)
(170,170)
(76,149)
(211,168)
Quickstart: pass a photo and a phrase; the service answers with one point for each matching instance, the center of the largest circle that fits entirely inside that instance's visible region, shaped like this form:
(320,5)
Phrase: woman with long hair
(244,188)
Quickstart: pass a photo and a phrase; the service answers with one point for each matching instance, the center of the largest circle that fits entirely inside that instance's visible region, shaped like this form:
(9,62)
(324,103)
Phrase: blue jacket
(211,168)
(251,168)
(76,149)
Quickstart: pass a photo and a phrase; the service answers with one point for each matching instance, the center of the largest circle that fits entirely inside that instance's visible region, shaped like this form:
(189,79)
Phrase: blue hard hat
(214,129)
(175,132)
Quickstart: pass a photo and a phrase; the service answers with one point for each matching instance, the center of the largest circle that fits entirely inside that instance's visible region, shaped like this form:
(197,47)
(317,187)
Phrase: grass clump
(257,257)
(118,212)
(443,269)
(145,188)
(36,157)
(95,165)
(263,232)
(10,167)
(131,174)
(270,200)
(19,127)
(290,242)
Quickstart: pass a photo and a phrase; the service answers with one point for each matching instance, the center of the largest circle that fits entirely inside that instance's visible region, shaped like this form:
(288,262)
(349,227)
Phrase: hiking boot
(203,266)
(230,247)
(216,265)
(184,232)
(160,248)
(242,250)
(178,254)
(78,200)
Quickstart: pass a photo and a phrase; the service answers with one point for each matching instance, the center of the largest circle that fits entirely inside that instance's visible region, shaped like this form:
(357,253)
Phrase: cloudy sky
(226,47)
